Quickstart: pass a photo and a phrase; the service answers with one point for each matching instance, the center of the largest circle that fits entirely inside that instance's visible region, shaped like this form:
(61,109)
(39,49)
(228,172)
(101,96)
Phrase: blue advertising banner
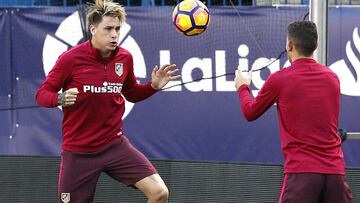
(6,83)
(196,121)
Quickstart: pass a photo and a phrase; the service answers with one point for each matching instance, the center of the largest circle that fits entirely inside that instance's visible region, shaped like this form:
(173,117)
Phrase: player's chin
(111,47)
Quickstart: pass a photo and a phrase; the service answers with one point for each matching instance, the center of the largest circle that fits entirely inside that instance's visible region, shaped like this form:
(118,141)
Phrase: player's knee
(160,195)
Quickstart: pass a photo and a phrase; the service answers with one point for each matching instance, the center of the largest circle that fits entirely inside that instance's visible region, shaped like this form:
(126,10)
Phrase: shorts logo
(119,69)
(65,197)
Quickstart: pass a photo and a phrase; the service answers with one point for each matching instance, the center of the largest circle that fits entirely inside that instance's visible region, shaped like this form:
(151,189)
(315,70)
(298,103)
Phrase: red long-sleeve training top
(95,120)
(307,95)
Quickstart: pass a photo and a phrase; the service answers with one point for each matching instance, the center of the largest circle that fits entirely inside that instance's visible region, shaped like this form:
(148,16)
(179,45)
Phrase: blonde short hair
(103,8)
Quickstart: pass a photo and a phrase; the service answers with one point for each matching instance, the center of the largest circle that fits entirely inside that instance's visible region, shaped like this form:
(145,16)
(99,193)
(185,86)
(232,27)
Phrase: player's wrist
(243,85)
(155,87)
(60,99)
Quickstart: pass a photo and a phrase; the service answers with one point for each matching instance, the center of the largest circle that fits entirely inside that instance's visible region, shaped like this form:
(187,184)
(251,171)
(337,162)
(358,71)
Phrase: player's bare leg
(154,188)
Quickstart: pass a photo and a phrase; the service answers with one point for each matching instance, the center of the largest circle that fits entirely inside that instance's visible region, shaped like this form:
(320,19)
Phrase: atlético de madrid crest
(119,69)
(65,197)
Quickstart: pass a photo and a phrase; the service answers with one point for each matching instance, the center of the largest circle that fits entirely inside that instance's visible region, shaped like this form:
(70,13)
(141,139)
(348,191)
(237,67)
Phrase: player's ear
(290,45)
(92,29)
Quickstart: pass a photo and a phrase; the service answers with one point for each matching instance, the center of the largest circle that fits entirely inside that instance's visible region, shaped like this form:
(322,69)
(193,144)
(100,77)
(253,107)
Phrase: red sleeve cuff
(54,100)
(150,88)
(243,86)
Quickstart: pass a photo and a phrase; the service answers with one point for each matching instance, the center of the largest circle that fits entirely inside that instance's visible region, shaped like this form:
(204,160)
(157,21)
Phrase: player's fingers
(70,103)
(65,105)
(236,73)
(169,67)
(175,77)
(155,69)
(173,72)
(164,66)
(70,96)
(70,99)
(250,74)
(73,91)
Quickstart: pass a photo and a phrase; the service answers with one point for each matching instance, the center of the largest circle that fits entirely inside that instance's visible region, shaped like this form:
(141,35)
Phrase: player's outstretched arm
(267,96)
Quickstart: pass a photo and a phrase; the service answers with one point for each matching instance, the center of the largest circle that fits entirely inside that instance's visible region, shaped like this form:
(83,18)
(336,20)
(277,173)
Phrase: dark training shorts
(315,188)
(79,173)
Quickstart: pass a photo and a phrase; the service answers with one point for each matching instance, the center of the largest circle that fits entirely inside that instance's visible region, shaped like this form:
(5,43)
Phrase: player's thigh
(337,190)
(77,177)
(128,165)
(302,188)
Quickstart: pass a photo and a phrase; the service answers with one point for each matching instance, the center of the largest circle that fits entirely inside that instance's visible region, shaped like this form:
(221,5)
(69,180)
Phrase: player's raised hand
(68,97)
(240,79)
(161,76)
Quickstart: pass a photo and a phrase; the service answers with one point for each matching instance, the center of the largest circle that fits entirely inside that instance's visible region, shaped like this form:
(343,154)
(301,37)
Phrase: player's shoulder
(124,52)
(285,72)
(71,53)
(280,74)
(124,55)
(327,69)
(330,73)
(279,77)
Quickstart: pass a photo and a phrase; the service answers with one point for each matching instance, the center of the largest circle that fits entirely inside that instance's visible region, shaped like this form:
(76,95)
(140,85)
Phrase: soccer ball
(191,17)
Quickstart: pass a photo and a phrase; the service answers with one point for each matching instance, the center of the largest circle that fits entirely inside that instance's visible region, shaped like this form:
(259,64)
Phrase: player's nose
(113,34)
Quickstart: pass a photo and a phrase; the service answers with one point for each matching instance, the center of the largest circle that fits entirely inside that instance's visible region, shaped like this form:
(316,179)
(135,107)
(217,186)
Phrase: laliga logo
(69,34)
(221,84)
(348,84)
(217,66)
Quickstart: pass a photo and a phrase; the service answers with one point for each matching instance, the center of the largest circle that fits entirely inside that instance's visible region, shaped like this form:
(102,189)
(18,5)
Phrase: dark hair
(304,36)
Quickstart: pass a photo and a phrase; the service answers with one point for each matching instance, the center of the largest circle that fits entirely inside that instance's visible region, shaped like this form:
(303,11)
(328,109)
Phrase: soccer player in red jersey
(307,95)
(92,75)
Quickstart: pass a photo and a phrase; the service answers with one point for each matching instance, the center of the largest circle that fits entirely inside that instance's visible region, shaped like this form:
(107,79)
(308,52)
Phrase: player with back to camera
(307,95)
(91,75)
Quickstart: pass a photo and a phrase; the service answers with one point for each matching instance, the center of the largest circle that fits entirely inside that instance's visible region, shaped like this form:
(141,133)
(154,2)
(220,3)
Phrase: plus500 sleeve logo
(106,88)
